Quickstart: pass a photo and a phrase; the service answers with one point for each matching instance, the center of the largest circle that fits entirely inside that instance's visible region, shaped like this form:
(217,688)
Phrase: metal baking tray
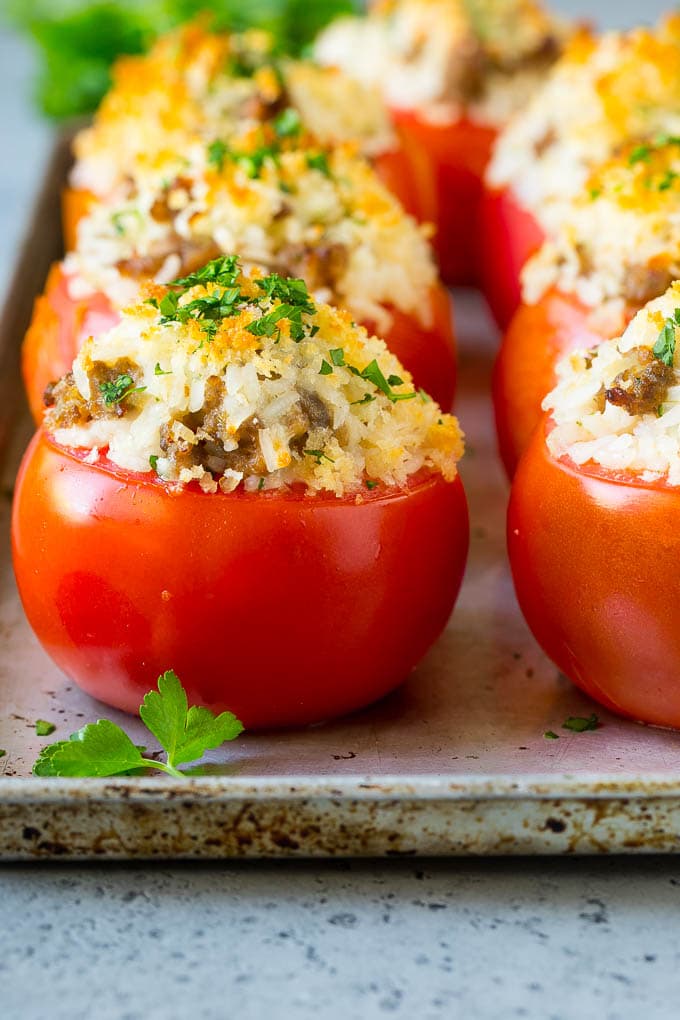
(454,763)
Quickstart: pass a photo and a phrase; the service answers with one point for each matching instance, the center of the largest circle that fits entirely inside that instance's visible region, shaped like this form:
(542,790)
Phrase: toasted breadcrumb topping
(226,379)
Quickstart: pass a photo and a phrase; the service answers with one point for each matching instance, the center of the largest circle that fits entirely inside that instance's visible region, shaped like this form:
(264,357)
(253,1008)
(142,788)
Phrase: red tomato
(596,560)
(285,609)
(509,235)
(440,182)
(59,327)
(61,324)
(76,203)
(524,373)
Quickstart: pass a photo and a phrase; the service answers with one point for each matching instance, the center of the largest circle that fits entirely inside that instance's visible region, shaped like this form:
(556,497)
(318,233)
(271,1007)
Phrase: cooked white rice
(590,429)
(371,428)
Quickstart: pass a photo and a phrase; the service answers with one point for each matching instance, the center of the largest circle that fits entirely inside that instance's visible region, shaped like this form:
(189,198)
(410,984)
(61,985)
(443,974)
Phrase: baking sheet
(456,762)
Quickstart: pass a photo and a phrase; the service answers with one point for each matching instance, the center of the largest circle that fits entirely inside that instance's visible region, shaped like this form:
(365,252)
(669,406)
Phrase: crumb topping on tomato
(225,378)
(604,91)
(620,240)
(196,85)
(482,56)
(619,405)
(286,204)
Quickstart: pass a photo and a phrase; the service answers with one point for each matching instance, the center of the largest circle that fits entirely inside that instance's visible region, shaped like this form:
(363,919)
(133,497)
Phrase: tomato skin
(524,372)
(509,236)
(443,164)
(76,203)
(596,562)
(284,609)
(61,324)
(58,329)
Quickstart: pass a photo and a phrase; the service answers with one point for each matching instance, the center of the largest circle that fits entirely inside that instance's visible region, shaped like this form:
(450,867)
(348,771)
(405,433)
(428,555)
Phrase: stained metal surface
(456,762)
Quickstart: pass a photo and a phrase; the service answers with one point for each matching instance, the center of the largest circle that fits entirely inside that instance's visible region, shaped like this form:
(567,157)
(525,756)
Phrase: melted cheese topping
(592,423)
(266,393)
(602,93)
(442,56)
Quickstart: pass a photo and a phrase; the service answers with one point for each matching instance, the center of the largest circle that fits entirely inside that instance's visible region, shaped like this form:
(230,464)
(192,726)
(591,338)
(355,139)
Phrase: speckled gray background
(480,940)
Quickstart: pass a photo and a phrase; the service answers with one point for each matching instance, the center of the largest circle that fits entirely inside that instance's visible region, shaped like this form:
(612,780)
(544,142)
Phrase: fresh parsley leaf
(337,355)
(319,161)
(184,733)
(579,724)
(318,456)
(640,154)
(3,752)
(153,461)
(103,749)
(664,348)
(114,392)
(371,484)
(373,374)
(44,728)
(394,380)
(325,369)
(288,123)
(223,271)
(217,153)
(367,398)
(159,371)
(551,735)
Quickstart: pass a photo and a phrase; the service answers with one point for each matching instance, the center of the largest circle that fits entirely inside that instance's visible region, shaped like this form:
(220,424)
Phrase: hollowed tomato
(437,173)
(284,608)
(61,323)
(596,559)
(509,236)
(524,373)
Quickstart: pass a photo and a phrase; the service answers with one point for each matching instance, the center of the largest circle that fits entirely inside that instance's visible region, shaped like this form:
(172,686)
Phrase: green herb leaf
(44,728)
(371,484)
(288,123)
(579,724)
(104,749)
(153,461)
(114,392)
(159,371)
(664,348)
(551,735)
(318,456)
(337,356)
(319,161)
(98,749)
(640,154)
(184,733)
(325,369)
(217,153)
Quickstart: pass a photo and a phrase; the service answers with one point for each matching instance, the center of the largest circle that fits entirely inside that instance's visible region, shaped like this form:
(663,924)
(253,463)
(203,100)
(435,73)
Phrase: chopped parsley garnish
(371,484)
(367,398)
(373,374)
(425,397)
(153,461)
(667,181)
(318,456)
(104,749)
(337,356)
(120,388)
(3,752)
(640,154)
(325,369)
(594,193)
(551,735)
(260,485)
(319,161)
(159,371)
(288,123)
(664,348)
(579,724)
(43,728)
(217,153)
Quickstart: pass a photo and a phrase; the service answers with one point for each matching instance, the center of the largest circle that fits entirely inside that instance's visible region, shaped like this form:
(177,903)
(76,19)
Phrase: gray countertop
(486,940)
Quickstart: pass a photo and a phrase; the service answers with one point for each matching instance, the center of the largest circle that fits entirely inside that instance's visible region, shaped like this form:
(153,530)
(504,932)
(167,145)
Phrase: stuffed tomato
(604,92)
(591,525)
(617,249)
(318,213)
(196,85)
(452,74)
(238,483)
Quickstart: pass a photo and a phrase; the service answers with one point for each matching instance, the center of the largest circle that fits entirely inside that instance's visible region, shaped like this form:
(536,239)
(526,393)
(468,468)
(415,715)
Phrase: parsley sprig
(118,389)
(103,749)
(664,348)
